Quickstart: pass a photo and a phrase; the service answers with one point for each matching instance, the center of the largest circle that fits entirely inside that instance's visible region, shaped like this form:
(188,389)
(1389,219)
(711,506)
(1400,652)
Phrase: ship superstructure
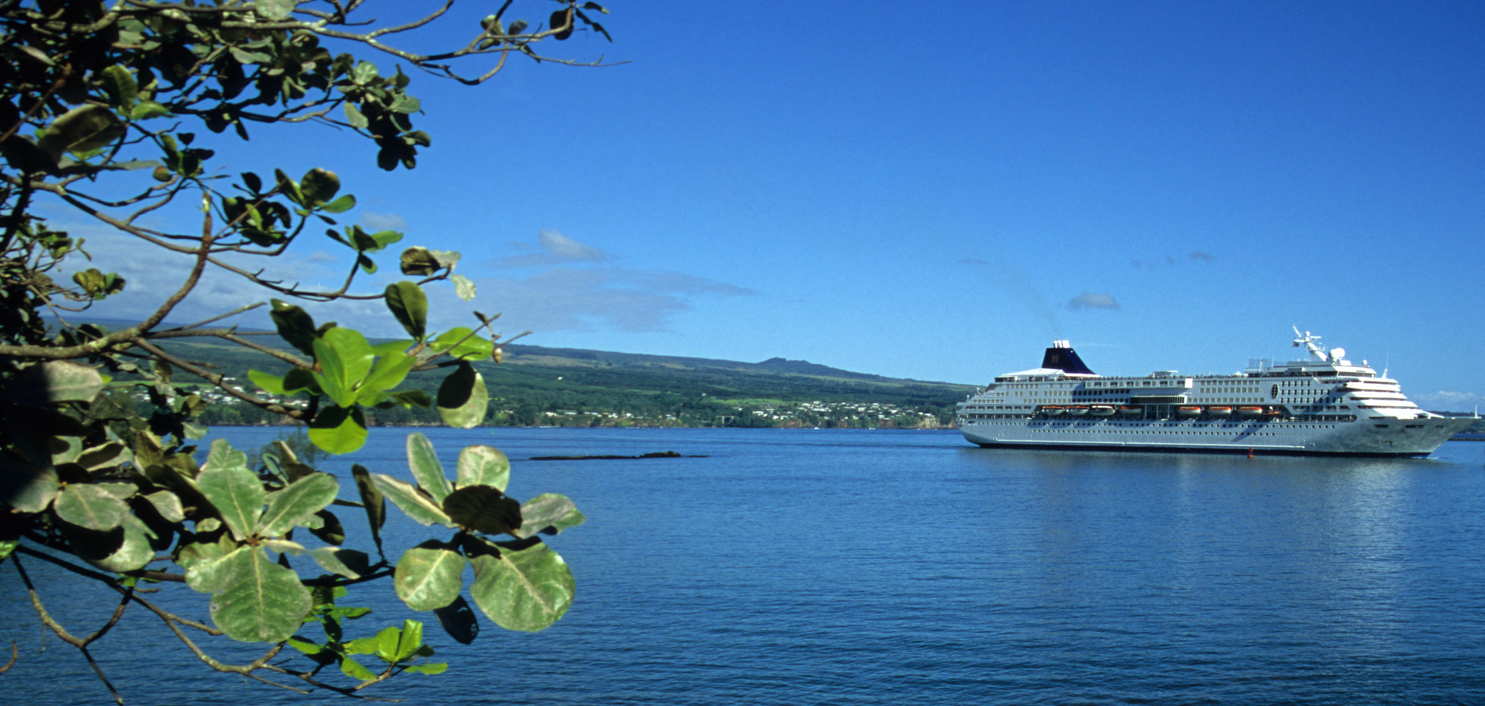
(1321,405)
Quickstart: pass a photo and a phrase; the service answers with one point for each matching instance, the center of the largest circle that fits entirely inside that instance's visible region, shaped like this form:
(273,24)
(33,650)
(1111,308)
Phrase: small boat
(1051,410)
(1273,412)
(1220,410)
(1127,409)
(1188,410)
(1250,411)
(1076,410)
(1101,410)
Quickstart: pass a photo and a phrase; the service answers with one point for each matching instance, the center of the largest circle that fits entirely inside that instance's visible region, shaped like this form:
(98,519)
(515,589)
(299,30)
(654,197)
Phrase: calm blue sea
(900,567)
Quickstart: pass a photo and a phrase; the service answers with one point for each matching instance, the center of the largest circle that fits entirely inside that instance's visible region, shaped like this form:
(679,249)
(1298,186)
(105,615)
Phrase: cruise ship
(1323,405)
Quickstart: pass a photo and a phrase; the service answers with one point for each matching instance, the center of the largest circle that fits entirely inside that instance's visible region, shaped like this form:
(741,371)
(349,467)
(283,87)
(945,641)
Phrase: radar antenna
(1311,343)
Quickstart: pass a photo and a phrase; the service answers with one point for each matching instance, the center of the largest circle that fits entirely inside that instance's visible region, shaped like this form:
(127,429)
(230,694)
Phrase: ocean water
(900,567)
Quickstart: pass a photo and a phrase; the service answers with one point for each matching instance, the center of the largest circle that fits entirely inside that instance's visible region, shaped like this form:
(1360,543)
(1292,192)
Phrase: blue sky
(938,190)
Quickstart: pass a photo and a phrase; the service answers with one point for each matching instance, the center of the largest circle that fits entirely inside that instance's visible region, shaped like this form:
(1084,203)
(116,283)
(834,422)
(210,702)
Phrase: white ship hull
(1321,406)
(1255,435)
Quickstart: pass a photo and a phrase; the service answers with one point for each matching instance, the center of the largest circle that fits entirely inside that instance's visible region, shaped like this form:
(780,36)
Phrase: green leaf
(90,507)
(123,548)
(372,501)
(549,513)
(168,505)
(354,117)
(429,576)
(410,305)
(234,491)
(25,486)
(354,670)
(294,326)
(419,262)
(332,559)
(430,669)
(422,460)
(147,110)
(524,590)
(483,465)
(82,129)
(48,384)
(120,86)
(259,601)
(345,359)
(461,342)
(297,502)
(415,503)
(462,398)
(267,382)
(410,644)
(389,372)
(483,509)
(338,430)
(274,10)
(342,204)
(318,186)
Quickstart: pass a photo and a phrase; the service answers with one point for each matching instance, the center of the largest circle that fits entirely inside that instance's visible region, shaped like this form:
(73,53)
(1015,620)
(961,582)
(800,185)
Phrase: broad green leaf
(90,507)
(345,359)
(430,668)
(105,455)
(462,398)
(123,548)
(343,203)
(259,601)
(416,504)
(372,501)
(318,186)
(7,546)
(338,430)
(390,348)
(461,342)
(354,117)
(120,86)
(419,262)
(274,9)
(389,372)
(332,559)
(147,110)
(483,465)
(202,562)
(168,505)
(422,460)
(82,129)
(411,641)
(294,325)
(267,382)
(429,576)
(483,509)
(25,486)
(550,513)
(297,502)
(222,454)
(53,382)
(236,493)
(525,590)
(354,670)
(410,305)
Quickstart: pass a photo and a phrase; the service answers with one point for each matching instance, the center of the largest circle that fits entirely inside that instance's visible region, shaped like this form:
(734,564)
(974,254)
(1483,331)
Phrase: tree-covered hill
(536,385)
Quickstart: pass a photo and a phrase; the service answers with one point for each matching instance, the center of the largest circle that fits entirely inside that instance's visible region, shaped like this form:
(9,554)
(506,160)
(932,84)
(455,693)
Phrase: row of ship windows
(1090,422)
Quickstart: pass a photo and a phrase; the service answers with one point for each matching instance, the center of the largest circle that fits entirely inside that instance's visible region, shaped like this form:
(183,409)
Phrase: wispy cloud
(552,248)
(1092,300)
(575,287)
(1172,260)
(382,221)
(1450,401)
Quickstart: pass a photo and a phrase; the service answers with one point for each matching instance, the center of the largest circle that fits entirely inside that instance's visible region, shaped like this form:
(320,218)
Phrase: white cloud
(1452,401)
(375,222)
(1092,300)
(555,249)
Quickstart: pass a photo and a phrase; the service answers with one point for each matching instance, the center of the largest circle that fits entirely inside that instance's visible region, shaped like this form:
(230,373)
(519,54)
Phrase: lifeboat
(1127,409)
(1250,411)
(1076,410)
(1273,412)
(1188,410)
(1220,410)
(1051,410)
(1101,410)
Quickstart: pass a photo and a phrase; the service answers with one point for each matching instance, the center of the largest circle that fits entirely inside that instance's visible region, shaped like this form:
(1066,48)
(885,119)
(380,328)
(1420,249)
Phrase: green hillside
(537,386)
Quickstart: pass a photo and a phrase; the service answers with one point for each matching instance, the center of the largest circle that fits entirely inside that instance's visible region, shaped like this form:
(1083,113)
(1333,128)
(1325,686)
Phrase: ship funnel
(1062,357)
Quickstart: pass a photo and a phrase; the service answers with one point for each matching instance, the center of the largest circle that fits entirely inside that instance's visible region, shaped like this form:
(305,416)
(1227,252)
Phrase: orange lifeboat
(1101,410)
(1250,411)
(1220,410)
(1128,409)
(1051,410)
(1188,410)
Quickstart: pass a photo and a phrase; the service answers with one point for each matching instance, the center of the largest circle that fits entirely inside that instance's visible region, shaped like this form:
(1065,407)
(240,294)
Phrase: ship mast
(1311,343)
